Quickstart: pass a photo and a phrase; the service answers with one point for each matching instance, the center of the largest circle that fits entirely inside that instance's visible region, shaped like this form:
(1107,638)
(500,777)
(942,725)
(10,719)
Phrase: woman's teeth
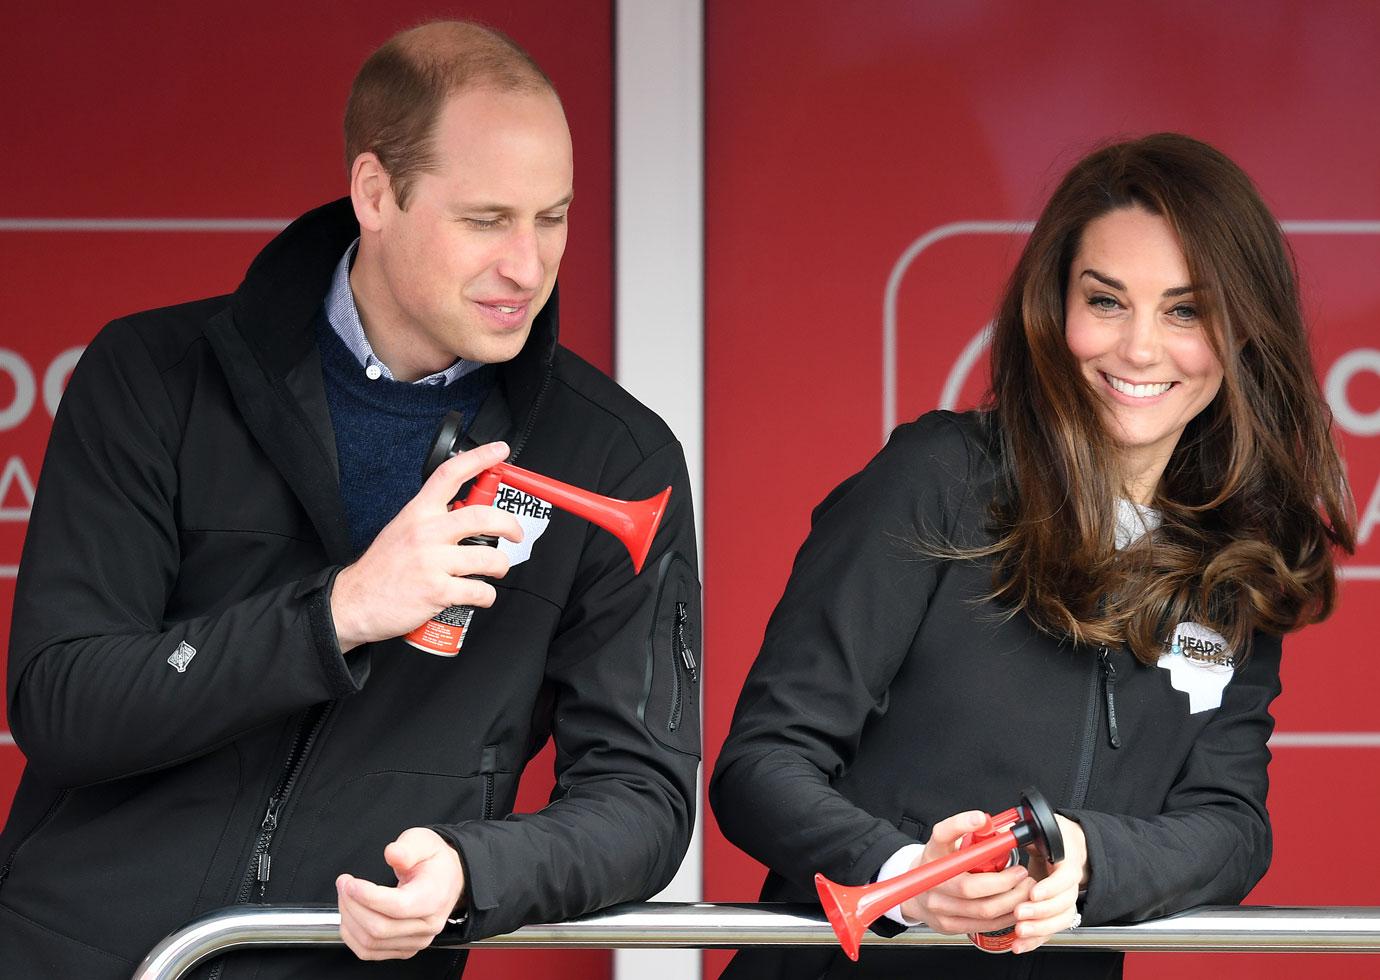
(1138,391)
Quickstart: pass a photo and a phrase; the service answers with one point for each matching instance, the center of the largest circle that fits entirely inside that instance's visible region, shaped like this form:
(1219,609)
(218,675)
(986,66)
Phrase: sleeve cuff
(898,864)
(1091,902)
(344,675)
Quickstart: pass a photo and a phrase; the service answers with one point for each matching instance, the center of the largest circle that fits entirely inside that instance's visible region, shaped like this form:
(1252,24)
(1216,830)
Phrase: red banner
(872,171)
(152,149)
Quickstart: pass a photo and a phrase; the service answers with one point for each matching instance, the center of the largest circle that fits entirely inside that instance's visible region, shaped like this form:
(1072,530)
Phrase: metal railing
(669,925)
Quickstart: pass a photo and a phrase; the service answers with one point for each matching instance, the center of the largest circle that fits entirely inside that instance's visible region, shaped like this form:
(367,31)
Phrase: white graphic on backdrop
(1350,419)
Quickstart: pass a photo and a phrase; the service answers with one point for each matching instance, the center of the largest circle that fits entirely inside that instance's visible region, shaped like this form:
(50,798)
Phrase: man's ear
(369,185)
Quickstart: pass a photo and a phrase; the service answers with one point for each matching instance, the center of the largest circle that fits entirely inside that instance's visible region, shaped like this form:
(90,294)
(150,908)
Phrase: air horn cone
(850,910)
(841,909)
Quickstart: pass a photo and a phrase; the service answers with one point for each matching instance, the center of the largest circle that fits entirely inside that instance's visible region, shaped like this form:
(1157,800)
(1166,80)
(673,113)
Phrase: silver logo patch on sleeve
(182,656)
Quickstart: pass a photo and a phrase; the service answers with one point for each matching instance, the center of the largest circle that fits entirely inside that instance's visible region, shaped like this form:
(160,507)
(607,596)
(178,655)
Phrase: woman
(1081,588)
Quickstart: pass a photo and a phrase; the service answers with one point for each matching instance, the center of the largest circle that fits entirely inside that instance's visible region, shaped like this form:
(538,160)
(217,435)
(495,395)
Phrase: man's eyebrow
(1107,280)
(482,207)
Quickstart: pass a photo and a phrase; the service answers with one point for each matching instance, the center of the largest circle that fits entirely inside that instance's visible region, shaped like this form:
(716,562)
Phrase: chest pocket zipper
(488,768)
(669,706)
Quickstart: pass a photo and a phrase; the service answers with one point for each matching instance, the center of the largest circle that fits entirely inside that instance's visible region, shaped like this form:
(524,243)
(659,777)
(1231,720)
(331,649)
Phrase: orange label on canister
(1002,940)
(994,942)
(443,634)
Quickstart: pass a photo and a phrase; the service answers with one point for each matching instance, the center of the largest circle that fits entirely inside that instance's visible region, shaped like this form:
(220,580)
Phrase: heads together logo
(533,513)
(1199,664)
(1349,366)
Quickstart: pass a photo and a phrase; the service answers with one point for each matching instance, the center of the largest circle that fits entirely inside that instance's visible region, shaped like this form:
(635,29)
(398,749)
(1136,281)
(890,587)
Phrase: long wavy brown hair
(1253,500)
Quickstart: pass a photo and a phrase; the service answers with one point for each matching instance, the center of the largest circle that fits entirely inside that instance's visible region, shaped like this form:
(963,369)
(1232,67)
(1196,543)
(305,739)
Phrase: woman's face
(1132,323)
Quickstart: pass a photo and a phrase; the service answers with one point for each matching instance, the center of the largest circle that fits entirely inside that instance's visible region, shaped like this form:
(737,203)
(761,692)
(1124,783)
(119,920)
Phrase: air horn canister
(851,909)
(633,522)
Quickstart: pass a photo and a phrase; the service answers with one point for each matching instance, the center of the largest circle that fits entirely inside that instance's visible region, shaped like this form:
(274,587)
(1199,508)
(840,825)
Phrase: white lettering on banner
(1369,517)
(15,475)
(1350,420)
(24,389)
(55,378)
(1347,367)
(956,229)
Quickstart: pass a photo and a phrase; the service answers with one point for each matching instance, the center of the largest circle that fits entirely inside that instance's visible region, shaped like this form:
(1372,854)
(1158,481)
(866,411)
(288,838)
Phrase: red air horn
(633,522)
(989,848)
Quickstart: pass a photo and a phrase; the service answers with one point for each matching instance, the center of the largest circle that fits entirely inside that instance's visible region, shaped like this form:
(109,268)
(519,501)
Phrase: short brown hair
(401,87)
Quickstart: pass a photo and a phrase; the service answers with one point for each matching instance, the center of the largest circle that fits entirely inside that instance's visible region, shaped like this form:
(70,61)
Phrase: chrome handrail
(669,925)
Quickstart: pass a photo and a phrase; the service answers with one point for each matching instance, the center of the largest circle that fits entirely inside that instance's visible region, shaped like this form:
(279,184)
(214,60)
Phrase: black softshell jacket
(189,496)
(888,695)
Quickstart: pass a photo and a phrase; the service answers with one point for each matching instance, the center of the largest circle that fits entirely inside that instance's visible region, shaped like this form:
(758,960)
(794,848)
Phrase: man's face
(466,268)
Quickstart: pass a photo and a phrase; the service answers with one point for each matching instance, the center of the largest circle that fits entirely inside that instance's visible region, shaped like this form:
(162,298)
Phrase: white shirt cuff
(898,864)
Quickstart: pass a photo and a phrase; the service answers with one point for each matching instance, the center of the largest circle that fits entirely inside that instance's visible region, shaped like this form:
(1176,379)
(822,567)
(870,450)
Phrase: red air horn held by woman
(852,909)
(633,522)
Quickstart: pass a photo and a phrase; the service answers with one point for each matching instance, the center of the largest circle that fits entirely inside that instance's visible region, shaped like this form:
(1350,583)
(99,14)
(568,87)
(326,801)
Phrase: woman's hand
(1053,898)
(970,902)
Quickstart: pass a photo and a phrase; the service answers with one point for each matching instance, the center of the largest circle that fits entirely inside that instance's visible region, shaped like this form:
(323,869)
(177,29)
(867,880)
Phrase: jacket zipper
(1089,746)
(37,829)
(488,796)
(685,658)
(1109,687)
(488,767)
(261,861)
(532,415)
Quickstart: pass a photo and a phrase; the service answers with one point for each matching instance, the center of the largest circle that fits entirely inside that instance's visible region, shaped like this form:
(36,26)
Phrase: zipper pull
(688,658)
(270,822)
(1109,686)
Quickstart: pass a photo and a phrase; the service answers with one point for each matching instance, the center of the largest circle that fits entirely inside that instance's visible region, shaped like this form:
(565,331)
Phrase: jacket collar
(265,341)
(276,305)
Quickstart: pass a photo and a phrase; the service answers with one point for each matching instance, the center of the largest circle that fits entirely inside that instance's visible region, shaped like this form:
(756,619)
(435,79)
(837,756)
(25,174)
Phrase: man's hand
(970,902)
(415,568)
(381,923)
(1053,900)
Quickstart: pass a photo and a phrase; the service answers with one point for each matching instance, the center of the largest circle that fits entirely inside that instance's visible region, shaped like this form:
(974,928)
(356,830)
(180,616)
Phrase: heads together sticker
(533,513)
(1199,664)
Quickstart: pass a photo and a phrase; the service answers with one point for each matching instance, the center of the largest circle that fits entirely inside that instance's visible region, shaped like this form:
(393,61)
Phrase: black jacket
(888,695)
(189,494)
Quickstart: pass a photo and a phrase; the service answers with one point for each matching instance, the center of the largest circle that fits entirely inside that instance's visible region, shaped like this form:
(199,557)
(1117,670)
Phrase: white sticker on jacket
(532,513)
(1199,664)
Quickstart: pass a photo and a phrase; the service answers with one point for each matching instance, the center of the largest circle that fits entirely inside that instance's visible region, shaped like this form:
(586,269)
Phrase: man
(231,534)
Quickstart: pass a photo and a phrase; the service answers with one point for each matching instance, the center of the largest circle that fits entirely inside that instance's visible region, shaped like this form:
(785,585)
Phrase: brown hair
(401,88)
(1253,499)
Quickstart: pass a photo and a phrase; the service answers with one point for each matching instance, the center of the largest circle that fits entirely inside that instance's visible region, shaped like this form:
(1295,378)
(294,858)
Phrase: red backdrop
(152,110)
(835,140)
(845,135)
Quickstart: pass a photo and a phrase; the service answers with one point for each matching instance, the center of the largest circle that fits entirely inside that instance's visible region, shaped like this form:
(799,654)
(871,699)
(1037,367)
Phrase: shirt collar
(344,319)
(1133,520)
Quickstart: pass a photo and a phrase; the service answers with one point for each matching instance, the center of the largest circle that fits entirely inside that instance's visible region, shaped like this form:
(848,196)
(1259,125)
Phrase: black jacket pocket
(671,697)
